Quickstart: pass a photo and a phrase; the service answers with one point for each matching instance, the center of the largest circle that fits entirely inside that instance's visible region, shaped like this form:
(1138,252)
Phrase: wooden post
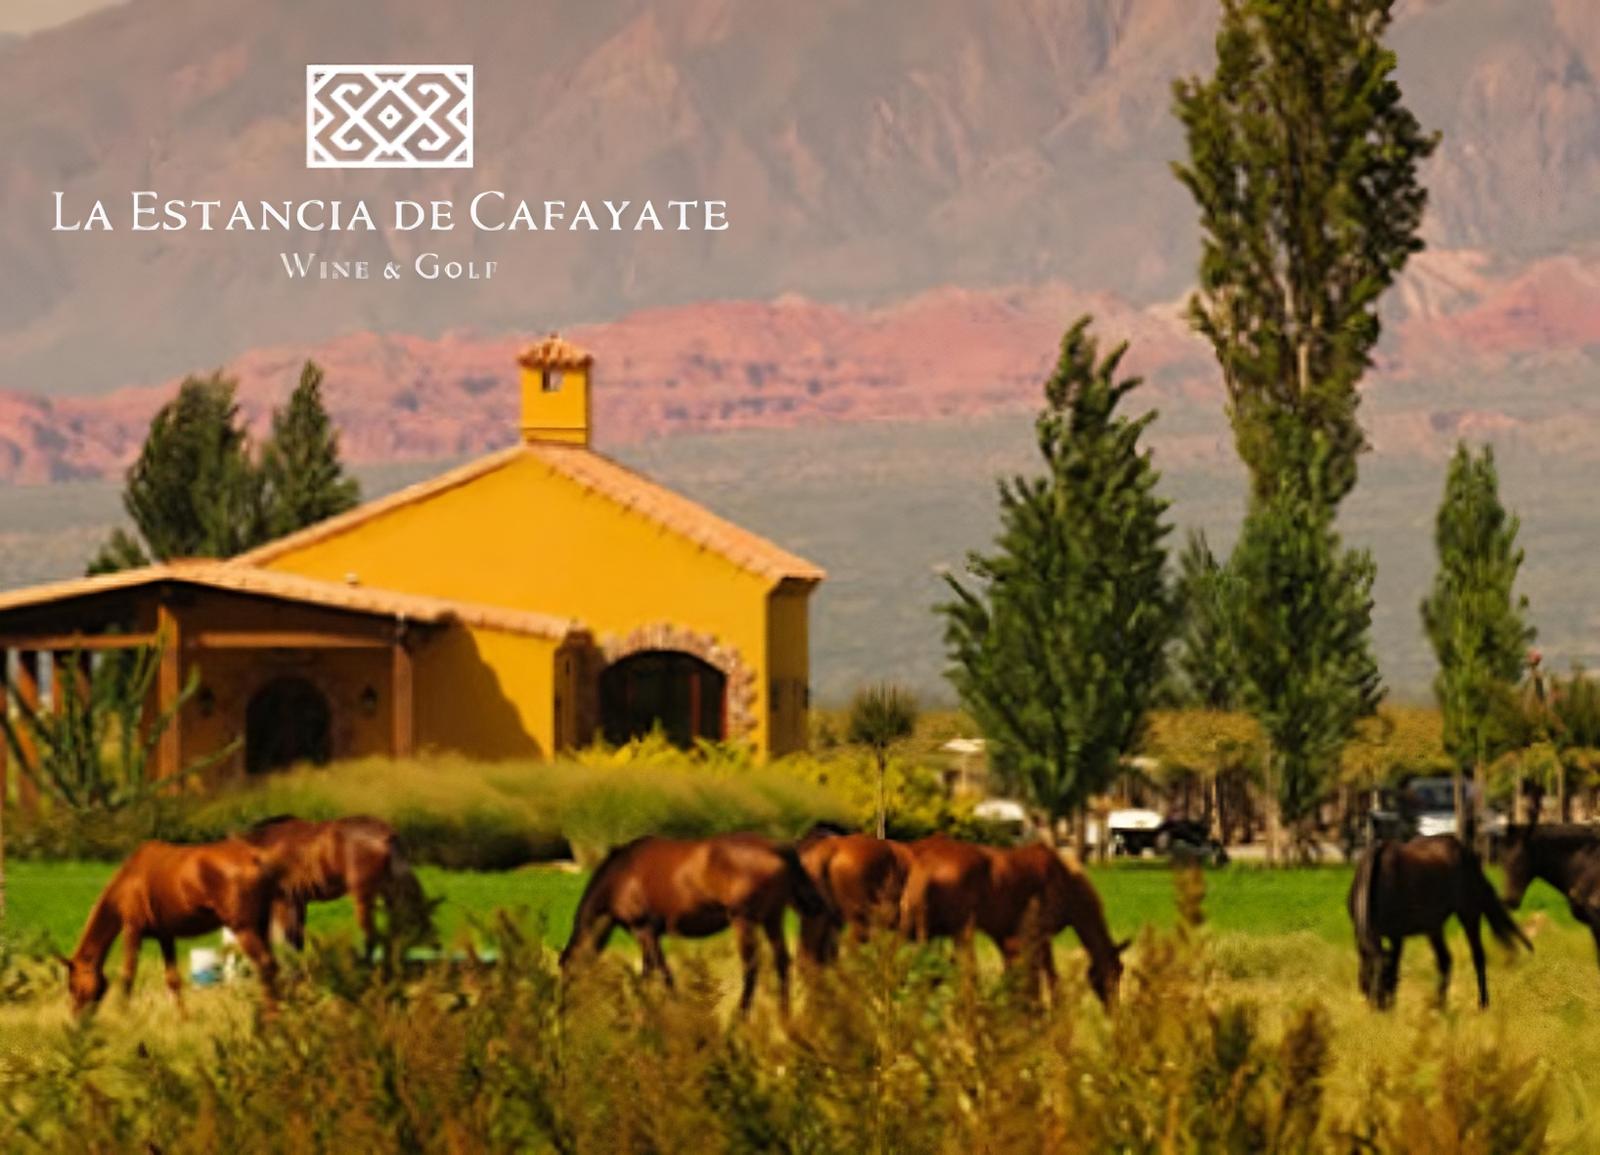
(169,686)
(401,704)
(27,695)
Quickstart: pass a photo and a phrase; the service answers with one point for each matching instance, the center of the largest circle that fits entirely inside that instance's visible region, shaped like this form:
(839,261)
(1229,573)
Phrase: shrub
(894,1049)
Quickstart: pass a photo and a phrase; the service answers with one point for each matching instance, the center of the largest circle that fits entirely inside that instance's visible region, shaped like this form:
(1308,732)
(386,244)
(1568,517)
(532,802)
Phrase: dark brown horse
(1565,856)
(696,887)
(324,861)
(1020,898)
(1409,888)
(862,879)
(167,892)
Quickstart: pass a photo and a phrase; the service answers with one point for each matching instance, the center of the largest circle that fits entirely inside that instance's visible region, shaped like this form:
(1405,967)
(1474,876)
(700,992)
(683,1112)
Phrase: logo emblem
(389,116)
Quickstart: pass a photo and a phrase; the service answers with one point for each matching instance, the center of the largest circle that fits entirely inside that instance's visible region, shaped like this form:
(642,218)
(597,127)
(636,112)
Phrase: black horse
(1565,856)
(1407,888)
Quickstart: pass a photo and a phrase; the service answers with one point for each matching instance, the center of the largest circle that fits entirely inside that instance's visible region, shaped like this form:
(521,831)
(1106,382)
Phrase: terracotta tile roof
(555,353)
(594,472)
(599,474)
(242,579)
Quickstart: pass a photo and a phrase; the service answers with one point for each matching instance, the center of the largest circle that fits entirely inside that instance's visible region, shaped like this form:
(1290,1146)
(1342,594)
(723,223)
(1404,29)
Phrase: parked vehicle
(1133,831)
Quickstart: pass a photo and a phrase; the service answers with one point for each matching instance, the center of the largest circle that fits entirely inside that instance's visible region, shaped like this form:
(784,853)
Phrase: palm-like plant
(880,716)
(89,749)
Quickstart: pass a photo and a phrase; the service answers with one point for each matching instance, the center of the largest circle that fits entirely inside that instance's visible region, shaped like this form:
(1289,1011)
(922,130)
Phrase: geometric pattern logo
(389,116)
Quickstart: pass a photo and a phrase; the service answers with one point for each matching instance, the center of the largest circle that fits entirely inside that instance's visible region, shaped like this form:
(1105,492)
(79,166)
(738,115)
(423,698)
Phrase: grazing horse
(695,888)
(167,892)
(1565,856)
(1406,888)
(323,861)
(1020,898)
(861,877)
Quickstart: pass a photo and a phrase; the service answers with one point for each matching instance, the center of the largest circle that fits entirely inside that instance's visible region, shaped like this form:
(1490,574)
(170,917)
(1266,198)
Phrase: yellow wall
(558,415)
(486,693)
(526,537)
(789,662)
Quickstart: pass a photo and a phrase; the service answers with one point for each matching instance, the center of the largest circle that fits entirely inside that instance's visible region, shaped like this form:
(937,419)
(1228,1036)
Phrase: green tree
(1303,161)
(1308,668)
(304,479)
(1474,618)
(1058,647)
(880,716)
(193,491)
(1209,598)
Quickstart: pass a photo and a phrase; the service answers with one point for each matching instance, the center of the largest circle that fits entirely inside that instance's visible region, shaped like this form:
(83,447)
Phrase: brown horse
(167,892)
(324,861)
(1565,856)
(1020,898)
(1407,888)
(695,888)
(861,877)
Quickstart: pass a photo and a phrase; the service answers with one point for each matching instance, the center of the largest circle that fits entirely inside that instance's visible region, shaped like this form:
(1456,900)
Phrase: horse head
(86,982)
(1516,860)
(1105,973)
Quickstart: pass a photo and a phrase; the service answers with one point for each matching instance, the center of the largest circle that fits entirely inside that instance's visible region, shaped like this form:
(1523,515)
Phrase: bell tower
(555,392)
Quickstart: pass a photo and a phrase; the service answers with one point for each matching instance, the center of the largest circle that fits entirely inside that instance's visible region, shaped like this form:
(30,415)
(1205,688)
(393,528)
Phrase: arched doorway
(287,721)
(679,692)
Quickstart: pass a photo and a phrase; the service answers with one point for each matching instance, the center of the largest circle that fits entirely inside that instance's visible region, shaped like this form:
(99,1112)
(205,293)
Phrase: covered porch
(288,669)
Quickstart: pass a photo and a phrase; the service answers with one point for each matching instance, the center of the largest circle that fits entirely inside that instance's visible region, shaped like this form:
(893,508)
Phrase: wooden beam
(28,694)
(401,700)
(77,641)
(169,685)
(281,640)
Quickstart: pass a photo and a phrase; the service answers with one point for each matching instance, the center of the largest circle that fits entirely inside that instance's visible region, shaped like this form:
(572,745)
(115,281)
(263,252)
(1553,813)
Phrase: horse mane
(1564,835)
(264,824)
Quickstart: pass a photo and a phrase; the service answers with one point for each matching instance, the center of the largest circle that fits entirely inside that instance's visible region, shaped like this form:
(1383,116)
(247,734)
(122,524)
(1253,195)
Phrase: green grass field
(1280,939)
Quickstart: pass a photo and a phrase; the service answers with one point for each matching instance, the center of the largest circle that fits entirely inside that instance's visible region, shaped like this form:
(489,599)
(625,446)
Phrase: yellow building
(534,600)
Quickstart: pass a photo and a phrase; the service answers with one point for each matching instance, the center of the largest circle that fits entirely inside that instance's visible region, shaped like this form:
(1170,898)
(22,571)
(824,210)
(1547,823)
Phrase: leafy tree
(1308,669)
(880,716)
(1058,647)
(1303,161)
(193,492)
(92,751)
(1474,617)
(304,479)
(1209,600)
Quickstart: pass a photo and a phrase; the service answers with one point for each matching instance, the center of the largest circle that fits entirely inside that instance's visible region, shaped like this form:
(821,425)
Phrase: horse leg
(169,957)
(259,951)
(1594,929)
(750,957)
(369,930)
(1047,969)
(289,918)
(1475,945)
(1441,955)
(655,959)
(132,940)
(1389,977)
(780,959)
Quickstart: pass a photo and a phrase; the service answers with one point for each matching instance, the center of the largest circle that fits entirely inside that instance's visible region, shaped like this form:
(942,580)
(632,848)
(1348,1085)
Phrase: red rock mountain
(870,150)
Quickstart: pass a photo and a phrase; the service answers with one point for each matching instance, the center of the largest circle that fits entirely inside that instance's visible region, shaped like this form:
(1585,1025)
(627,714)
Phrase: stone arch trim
(741,692)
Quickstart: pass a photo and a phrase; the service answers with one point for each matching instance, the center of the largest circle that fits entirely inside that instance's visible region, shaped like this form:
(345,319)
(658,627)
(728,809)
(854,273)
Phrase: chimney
(555,392)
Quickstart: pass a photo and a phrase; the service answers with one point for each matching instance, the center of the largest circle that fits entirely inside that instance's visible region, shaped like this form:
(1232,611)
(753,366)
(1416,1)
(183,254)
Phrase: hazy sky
(32,15)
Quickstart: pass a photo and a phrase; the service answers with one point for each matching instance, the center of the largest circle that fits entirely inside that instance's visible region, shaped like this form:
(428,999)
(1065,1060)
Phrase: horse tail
(1504,927)
(1363,897)
(807,897)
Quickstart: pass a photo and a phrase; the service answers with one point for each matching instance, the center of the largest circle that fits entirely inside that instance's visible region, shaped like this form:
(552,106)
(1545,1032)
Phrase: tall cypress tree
(304,478)
(1058,647)
(1303,163)
(1473,616)
(193,491)
(1309,673)
(1210,600)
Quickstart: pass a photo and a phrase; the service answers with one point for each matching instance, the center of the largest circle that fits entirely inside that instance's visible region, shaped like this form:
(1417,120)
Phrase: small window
(552,380)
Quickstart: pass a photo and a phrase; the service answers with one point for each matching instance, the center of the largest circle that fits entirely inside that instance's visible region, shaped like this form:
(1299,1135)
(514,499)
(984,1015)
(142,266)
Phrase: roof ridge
(673,511)
(344,522)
